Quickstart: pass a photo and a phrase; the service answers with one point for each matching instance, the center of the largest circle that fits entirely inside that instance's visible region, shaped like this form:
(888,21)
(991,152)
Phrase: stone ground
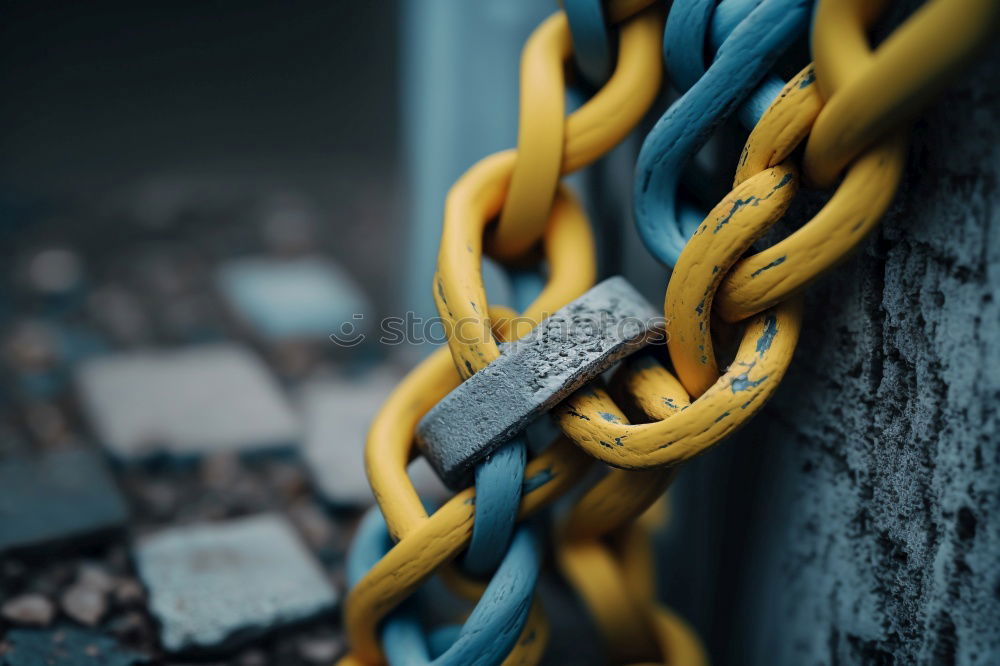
(219,488)
(75,292)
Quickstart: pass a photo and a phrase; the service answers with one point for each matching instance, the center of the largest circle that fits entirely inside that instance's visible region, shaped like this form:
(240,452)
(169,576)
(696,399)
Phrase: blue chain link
(513,558)
(499,480)
(491,630)
(753,33)
(692,24)
(500,477)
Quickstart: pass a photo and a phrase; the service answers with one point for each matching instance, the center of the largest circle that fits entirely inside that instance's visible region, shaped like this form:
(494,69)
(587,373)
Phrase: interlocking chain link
(601,547)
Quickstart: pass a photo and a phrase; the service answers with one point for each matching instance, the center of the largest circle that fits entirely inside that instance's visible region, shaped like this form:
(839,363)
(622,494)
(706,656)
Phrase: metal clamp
(565,351)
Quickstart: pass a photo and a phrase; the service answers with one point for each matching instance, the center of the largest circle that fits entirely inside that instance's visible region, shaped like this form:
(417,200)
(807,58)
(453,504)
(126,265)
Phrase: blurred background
(193,196)
(143,120)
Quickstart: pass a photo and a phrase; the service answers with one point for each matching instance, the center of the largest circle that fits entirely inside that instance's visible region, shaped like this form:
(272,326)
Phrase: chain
(850,108)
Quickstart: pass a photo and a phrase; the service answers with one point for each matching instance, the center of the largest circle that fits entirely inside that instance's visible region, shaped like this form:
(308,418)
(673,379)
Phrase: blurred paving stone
(320,650)
(40,353)
(56,279)
(28,609)
(296,298)
(252,658)
(120,313)
(312,523)
(294,360)
(47,424)
(93,576)
(287,479)
(12,440)
(86,605)
(55,271)
(336,416)
(220,470)
(133,628)
(190,319)
(192,401)
(160,498)
(55,498)
(66,646)
(128,593)
(216,584)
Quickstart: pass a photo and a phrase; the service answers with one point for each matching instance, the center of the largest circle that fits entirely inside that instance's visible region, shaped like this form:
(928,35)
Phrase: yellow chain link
(869,93)
(602,549)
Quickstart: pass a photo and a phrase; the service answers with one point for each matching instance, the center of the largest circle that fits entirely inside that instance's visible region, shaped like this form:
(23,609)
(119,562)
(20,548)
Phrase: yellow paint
(760,281)
(730,228)
(871,92)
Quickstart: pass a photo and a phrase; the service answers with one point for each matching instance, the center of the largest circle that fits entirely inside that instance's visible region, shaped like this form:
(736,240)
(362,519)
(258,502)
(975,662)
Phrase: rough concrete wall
(865,499)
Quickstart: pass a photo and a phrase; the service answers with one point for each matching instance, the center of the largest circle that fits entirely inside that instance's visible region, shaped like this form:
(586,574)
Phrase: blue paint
(728,14)
(750,201)
(777,262)
(684,38)
(767,337)
(499,479)
(743,383)
(721,416)
(736,207)
(740,63)
(610,418)
(695,25)
(592,45)
(491,630)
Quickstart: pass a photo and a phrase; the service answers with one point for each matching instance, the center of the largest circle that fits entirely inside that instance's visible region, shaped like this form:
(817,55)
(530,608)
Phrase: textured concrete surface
(857,520)
(214,585)
(57,498)
(575,344)
(189,402)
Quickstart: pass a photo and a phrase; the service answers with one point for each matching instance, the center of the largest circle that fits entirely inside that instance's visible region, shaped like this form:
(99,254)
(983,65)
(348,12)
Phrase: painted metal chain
(749,37)
(852,111)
